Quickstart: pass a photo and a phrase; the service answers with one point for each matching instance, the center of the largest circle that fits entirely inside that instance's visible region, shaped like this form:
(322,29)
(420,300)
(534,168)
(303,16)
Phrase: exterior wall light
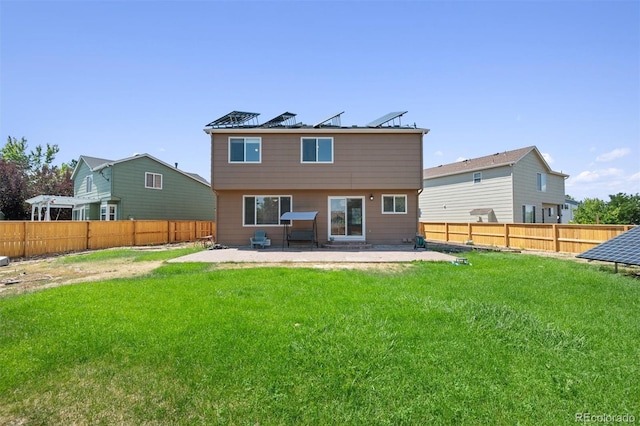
(371,197)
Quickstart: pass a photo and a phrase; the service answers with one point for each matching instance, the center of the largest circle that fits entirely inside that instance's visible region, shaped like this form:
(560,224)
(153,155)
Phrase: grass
(136,255)
(513,339)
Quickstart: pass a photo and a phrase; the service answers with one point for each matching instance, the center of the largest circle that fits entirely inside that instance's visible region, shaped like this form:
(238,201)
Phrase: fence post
(556,241)
(469,232)
(446,231)
(506,235)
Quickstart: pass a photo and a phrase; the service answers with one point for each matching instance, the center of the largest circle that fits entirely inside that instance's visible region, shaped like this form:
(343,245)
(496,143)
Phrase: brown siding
(361,160)
(380,228)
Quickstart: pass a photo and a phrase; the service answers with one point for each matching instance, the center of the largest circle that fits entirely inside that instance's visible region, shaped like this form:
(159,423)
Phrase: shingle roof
(498,159)
(94,162)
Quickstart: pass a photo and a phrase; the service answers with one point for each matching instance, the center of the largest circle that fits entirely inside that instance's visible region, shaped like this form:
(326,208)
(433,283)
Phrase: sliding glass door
(346,218)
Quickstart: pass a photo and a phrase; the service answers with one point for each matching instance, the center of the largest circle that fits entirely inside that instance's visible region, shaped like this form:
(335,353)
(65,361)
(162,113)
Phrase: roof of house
(499,159)
(96,164)
(239,121)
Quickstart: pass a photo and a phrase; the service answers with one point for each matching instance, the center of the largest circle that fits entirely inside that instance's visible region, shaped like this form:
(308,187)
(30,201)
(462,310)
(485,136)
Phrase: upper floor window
(265,210)
(316,150)
(153,180)
(89,183)
(541,182)
(477,177)
(245,150)
(394,204)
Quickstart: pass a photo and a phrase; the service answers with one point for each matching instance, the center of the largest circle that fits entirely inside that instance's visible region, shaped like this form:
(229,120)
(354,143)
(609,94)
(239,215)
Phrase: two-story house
(138,187)
(363,181)
(515,186)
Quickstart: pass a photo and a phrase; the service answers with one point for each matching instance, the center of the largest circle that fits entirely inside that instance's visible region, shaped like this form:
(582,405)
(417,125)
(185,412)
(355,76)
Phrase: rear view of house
(509,187)
(363,181)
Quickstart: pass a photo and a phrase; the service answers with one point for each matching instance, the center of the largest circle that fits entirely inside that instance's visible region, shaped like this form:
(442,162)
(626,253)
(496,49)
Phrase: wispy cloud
(438,153)
(613,155)
(595,175)
(635,177)
(547,157)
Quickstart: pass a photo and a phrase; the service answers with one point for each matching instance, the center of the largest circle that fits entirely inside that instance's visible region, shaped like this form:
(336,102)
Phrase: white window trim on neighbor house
(155,182)
(108,212)
(79,213)
(317,142)
(281,210)
(477,177)
(89,183)
(394,203)
(541,182)
(248,143)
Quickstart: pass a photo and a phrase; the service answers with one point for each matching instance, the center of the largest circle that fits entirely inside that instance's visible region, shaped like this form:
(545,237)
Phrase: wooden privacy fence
(25,238)
(531,236)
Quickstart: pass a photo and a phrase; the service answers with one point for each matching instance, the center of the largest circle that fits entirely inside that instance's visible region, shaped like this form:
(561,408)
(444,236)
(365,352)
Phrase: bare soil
(25,276)
(29,275)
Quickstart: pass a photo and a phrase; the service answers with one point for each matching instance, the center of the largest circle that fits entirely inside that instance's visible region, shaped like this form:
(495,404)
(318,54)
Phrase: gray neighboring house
(139,187)
(515,186)
(567,210)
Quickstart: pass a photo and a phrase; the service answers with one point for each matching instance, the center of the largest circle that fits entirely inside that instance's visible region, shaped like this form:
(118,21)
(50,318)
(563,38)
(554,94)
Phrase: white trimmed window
(108,212)
(245,150)
(153,180)
(265,210)
(394,204)
(477,177)
(541,182)
(316,150)
(89,183)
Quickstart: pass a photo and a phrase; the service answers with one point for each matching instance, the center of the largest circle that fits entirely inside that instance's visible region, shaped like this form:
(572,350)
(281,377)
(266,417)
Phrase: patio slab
(377,254)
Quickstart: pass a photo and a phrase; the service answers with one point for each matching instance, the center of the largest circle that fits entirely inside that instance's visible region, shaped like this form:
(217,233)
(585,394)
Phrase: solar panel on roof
(386,118)
(623,248)
(286,118)
(335,120)
(235,119)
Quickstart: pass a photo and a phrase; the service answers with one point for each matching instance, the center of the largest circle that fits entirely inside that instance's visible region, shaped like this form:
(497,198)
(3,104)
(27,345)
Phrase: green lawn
(511,339)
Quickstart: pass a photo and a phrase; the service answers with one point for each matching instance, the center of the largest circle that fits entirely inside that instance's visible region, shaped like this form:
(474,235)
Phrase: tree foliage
(26,174)
(621,209)
(13,187)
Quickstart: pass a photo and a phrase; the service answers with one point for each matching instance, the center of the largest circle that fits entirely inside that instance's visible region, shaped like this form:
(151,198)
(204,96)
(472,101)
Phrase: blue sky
(113,78)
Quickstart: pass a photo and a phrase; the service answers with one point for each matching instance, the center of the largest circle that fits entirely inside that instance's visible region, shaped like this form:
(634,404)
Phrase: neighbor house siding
(181,198)
(451,198)
(525,187)
(380,228)
(101,182)
(361,161)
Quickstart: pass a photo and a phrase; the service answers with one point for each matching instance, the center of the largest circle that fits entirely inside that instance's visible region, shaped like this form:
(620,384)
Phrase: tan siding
(525,189)
(361,161)
(380,228)
(460,195)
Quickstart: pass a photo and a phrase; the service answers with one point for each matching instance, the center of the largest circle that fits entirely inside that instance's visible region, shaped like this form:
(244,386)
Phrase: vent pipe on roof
(176,165)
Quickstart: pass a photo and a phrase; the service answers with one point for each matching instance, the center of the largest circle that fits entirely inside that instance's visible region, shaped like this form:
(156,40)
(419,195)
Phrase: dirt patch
(31,275)
(25,276)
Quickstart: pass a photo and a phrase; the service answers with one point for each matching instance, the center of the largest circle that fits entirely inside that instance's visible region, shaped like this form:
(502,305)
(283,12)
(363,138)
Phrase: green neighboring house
(139,187)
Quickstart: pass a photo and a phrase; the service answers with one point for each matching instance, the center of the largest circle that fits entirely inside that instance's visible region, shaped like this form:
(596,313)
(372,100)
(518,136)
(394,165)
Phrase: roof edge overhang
(475,169)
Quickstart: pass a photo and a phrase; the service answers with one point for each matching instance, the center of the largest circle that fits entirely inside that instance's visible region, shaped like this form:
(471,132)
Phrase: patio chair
(259,238)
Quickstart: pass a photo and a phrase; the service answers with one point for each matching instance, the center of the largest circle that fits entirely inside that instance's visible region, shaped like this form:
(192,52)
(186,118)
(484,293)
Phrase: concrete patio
(377,254)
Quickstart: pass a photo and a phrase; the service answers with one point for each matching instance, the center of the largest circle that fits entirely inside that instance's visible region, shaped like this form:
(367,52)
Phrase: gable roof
(97,164)
(499,159)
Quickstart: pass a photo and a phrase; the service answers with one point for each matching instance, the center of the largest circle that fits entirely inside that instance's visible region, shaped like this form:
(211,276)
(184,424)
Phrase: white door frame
(344,237)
